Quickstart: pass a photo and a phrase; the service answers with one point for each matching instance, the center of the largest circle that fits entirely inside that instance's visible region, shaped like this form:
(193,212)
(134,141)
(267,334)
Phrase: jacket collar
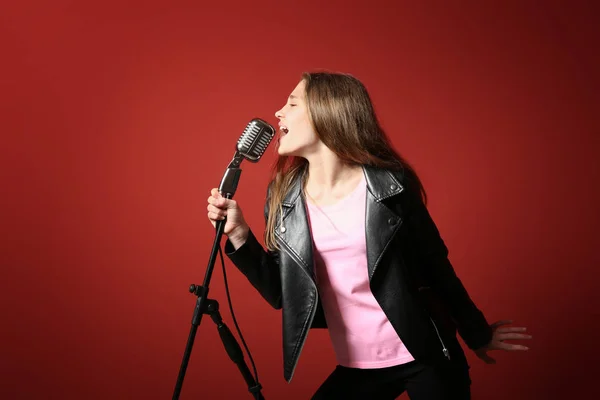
(381,184)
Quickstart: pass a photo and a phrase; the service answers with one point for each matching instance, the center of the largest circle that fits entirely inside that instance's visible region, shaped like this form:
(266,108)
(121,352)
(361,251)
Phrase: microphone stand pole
(204,305)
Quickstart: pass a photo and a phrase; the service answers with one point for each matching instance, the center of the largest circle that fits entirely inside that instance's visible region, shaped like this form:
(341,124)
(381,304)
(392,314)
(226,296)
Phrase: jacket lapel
(381,222)
(293,229)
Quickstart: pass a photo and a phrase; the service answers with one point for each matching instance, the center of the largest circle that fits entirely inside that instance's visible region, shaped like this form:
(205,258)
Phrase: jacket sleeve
(260,266)
(432,256)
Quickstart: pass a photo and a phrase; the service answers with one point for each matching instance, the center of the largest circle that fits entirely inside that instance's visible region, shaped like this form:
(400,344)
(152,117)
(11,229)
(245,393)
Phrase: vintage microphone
(250,146)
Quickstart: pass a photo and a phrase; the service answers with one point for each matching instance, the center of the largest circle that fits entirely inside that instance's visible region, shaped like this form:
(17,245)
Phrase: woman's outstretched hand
(499,336)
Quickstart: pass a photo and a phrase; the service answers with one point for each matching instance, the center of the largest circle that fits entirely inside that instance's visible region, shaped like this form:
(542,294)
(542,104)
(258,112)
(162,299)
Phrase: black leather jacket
(410,274)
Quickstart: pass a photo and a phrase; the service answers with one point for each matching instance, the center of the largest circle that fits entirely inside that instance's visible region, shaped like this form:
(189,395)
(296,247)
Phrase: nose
(278,114)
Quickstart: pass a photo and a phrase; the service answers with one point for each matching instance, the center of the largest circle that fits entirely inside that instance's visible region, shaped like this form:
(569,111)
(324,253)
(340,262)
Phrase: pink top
(360,332)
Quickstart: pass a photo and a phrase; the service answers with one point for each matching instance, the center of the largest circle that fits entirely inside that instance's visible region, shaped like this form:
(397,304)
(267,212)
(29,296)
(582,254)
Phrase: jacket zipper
(444,348)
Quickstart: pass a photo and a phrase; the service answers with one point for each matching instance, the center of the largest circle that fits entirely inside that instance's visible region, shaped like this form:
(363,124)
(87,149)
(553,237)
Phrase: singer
(351,247)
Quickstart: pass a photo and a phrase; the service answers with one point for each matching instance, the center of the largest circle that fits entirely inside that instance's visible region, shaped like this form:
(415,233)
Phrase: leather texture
(410,274)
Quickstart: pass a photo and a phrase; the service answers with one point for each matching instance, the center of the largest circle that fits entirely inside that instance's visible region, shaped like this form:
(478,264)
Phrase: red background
(117,118)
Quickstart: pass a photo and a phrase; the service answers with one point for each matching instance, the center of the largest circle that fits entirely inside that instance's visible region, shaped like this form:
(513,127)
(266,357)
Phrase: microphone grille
(255,139)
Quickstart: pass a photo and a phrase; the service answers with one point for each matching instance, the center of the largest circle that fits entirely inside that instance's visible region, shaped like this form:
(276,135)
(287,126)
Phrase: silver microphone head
(255,139)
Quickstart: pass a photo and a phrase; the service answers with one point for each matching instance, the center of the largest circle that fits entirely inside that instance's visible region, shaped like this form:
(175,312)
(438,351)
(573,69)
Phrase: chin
(283,152)
(291,150)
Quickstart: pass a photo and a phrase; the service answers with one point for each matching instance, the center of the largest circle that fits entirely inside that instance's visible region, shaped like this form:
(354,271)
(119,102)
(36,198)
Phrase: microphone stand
(204,305)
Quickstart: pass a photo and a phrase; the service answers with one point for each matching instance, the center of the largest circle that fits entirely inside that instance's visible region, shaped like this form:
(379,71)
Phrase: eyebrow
(293,97)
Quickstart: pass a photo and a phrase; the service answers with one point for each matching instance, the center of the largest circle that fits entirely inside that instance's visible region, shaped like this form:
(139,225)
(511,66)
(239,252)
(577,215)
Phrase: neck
(327,171)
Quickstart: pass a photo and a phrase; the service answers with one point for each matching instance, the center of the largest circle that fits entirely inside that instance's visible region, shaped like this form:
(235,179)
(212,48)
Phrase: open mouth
(284,130)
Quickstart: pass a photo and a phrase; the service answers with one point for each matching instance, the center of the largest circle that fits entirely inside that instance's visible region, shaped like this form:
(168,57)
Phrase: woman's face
(297,135)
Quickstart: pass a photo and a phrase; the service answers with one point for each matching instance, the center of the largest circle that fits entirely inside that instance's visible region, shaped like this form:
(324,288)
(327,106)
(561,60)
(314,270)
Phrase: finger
(231,204)
(511,347)
(502,322)
(215,193)
(220,202)
(216,210)
(511,329)
(215,217)
(512,336)
(213,198)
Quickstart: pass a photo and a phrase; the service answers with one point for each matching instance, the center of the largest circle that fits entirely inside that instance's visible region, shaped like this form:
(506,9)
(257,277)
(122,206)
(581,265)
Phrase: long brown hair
(343,118)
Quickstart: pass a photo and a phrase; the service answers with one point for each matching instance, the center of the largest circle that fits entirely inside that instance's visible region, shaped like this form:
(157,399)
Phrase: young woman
(351,247)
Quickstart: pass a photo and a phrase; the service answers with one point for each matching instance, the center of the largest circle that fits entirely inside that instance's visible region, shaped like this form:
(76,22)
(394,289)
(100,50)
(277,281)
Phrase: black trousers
(447,381)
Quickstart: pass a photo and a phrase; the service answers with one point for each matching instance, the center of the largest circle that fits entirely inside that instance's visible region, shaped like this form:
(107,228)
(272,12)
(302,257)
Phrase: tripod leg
(202,293)
(196,319)
(233,349)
